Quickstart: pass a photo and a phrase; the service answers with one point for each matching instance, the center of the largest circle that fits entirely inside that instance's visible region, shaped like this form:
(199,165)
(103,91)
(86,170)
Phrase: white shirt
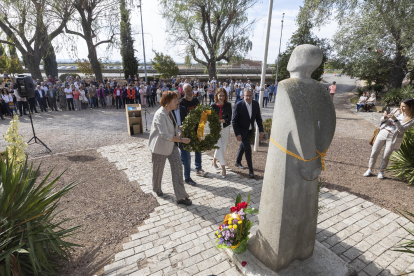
(228,91)
(68,90)
(362,98)
(249,109)
(40,93)
(392,126)
(6,98)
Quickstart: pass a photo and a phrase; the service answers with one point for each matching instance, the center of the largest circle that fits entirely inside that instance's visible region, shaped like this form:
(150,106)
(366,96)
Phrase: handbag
(374,137)
(11,105)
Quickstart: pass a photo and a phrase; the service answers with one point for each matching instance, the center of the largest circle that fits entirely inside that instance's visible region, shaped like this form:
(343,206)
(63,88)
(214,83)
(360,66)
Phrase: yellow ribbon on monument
(321,154)
(202,124)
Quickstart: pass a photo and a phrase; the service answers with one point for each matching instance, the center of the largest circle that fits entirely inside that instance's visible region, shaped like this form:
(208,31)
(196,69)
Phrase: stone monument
(303,127)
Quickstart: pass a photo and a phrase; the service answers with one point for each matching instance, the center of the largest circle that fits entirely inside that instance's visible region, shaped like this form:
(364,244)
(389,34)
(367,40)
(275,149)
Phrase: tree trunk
(93,59)
(212,69)
(49,59)
(397,71)
(32,63)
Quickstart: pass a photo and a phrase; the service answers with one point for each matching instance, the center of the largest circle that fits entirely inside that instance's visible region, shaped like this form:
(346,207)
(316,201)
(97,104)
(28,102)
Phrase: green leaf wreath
(190,126)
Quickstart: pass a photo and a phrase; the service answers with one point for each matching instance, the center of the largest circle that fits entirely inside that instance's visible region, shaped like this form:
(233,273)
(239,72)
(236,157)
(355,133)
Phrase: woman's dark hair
(410,103)
(218,91)
(334,82)
(167,97)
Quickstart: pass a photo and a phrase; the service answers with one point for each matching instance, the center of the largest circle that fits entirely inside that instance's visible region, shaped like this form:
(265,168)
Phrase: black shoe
(251,175)
(190,182)
(239,166)
(36,112)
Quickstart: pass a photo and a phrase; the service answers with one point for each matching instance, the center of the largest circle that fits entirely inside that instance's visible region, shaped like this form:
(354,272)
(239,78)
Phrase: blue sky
(154,27)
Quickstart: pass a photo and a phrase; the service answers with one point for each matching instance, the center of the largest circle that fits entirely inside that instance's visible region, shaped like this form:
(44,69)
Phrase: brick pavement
(178,240)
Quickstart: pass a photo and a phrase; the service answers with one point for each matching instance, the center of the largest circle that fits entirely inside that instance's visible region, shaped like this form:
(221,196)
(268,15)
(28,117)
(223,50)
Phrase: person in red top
(76,95)
(51,80)
(130,95)
(117,96)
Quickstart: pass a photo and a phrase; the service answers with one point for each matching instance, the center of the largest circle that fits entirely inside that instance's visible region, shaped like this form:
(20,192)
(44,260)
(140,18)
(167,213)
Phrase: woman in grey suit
(163,143)
(393,127)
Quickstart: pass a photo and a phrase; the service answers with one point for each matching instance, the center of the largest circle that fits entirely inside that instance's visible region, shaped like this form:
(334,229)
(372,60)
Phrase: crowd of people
(52,94)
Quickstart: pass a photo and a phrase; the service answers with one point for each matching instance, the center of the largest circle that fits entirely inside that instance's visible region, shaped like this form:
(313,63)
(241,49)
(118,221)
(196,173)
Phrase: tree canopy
(372,34)
(31,25)
(97,22)
(165,65)
(129,61)
(303,35)
(209,30)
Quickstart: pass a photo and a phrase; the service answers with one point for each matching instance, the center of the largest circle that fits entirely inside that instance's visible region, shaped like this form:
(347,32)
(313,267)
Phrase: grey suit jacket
(162,132)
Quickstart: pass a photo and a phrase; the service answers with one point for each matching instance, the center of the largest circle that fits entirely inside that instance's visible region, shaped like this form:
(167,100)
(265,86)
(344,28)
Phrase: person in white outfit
(392,129)
(224,110)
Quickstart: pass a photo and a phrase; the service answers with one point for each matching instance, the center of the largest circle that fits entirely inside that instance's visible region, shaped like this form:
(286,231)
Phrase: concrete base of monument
(323,263)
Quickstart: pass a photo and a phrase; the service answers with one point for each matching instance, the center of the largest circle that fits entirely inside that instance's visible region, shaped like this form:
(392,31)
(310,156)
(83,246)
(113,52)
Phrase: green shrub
(267,126)
(31,237)
(63,76)
(407,245)
(402,161)
(354,100)
(396,95)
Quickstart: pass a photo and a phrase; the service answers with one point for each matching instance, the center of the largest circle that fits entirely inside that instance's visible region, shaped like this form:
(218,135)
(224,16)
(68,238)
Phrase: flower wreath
(193,128)
(234,232)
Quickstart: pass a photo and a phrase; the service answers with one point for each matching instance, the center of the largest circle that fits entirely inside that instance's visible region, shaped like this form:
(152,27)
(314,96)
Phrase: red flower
(238,207)
(243,205)
(233,209)
(220,227)
(244,264)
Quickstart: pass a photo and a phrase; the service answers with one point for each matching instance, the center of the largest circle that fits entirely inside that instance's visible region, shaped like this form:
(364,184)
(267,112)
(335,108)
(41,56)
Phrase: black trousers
(22,106)
(246,149)
(149,100)
(32,104)
(154,98)
(118,102)
(70,103)
(137,99)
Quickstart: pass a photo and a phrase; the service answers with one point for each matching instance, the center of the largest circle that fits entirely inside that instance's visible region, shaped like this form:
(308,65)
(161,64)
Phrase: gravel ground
(65,131)
(107,205)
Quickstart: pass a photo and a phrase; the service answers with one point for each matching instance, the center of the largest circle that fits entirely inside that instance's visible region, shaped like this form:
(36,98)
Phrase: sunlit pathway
(178,240)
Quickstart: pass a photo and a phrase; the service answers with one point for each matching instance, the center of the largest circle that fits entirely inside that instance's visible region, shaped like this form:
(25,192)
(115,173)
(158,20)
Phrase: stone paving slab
(179,240)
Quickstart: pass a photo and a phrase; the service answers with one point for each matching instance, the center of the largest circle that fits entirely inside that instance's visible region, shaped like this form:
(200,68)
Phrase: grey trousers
(158,164)
(384,137)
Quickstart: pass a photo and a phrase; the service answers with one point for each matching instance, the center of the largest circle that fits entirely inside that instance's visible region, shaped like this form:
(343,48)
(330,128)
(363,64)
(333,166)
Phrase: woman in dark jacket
(224,110)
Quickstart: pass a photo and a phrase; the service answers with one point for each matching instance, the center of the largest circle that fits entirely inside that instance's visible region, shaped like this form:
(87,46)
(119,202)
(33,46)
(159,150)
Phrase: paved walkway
(178,240)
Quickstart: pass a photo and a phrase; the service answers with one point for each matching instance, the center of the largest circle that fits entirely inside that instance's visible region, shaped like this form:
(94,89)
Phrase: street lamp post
(280,44)
(264,65)
(143,43)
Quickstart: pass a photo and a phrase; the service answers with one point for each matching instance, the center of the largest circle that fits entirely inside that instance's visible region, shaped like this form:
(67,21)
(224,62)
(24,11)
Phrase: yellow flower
(230,226)
(240,221)
(235,226)
(219,236)
(216,232)
(230,221)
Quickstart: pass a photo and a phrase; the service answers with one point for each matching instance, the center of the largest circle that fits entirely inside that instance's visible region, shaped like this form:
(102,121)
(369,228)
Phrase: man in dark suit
(245,113)
(40,98)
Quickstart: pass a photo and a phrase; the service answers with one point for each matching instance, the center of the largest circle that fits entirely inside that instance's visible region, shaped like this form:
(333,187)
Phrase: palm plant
(402,165)
(31,236)
(407,245)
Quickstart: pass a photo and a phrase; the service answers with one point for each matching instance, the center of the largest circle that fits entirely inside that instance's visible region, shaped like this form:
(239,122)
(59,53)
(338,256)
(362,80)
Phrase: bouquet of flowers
(234,232)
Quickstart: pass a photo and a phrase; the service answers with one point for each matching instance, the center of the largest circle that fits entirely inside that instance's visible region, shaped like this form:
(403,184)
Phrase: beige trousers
(222,144)
(158,164)
(384,138)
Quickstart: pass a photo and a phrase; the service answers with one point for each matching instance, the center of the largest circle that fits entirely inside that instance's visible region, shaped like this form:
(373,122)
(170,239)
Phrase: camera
(25,86)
